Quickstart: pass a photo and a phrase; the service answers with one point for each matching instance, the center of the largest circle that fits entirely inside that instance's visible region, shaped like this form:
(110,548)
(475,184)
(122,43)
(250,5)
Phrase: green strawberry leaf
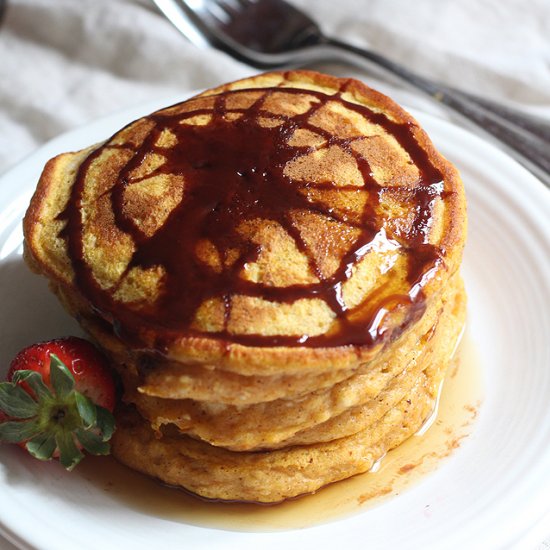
(69,455)
(86,409)
(42,446)
(92,442)
(105,422)
(15,432)
(16,402)
(34,380)
(61,377)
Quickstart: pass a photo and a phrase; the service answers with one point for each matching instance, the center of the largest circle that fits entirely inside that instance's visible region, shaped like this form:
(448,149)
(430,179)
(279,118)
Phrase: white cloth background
(66,62)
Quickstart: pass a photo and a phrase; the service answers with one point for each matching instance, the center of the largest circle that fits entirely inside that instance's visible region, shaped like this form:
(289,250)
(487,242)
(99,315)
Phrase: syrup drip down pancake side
(286,246)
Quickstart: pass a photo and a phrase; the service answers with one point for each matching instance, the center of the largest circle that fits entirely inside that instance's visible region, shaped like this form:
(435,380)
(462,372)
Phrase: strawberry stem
(54,420)
(18,431)
(34,380)
(16,402)
(93,443)
(42,446)
(69,454)
(60,376)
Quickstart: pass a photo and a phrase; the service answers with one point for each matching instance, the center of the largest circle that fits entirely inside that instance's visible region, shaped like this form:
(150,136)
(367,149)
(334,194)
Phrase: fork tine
(232,7)
(219,11)
(233,4)
(244,28)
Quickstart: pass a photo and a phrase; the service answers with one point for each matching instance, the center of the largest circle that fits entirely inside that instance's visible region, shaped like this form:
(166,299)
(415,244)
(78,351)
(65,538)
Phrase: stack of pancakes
(272,267)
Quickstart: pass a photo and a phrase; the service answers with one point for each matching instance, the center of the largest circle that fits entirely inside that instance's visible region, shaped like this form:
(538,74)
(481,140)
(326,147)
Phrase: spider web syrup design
(233,171)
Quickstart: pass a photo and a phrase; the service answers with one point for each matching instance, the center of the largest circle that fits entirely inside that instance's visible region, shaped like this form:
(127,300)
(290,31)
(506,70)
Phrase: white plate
(492,491)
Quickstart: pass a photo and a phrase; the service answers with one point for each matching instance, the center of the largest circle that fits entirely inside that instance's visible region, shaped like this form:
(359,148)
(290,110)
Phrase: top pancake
(289,218)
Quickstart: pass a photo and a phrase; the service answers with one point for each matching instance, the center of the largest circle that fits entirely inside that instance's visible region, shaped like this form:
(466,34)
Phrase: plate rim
(535,191)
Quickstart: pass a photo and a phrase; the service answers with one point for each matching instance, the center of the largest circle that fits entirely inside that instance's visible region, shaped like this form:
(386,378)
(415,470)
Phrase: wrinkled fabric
(67,62)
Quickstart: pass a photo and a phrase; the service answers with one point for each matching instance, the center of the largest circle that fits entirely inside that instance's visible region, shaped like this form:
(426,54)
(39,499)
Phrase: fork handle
(524,138)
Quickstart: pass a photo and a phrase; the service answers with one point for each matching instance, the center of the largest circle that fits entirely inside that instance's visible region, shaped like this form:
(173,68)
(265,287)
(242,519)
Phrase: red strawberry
(58,400)
(89,367)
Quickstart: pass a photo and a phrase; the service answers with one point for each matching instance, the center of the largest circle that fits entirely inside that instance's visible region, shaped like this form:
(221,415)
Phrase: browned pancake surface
(291,212)
(273,268)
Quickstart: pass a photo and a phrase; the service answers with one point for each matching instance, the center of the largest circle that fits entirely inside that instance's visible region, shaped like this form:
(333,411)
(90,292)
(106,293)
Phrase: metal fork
(272,34)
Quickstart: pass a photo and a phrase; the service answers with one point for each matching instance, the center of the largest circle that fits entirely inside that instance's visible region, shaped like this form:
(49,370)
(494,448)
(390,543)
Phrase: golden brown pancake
(321,415)
(271,265)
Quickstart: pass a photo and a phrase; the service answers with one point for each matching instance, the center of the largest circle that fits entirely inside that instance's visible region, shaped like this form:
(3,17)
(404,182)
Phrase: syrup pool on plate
(400,469)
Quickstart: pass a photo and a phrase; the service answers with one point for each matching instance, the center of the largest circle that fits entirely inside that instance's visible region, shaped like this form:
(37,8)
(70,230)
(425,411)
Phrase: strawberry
(58,400)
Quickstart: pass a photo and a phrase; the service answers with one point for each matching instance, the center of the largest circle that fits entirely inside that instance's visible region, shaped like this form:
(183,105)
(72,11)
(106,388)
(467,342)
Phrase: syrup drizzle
(402,468)
(234,171)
